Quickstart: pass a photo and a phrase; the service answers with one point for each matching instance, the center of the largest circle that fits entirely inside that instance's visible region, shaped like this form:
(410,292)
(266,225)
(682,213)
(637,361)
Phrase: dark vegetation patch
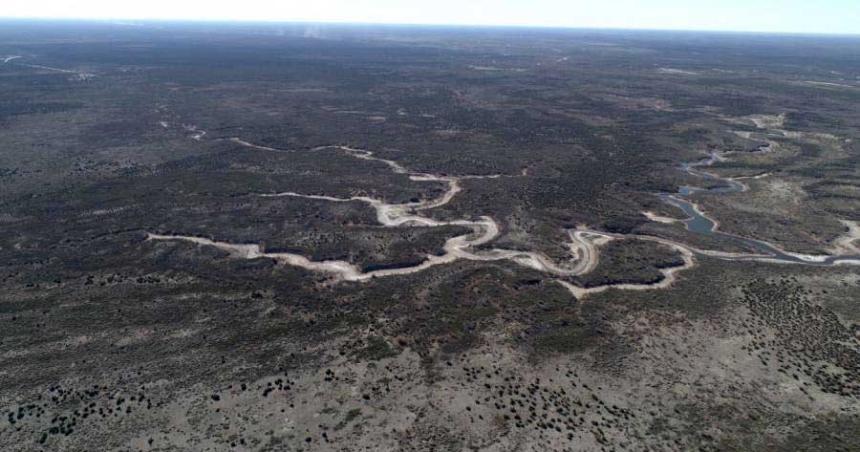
(17,108)
(631,261)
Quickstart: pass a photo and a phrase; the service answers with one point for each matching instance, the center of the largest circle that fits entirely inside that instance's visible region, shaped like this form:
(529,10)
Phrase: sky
(787,16)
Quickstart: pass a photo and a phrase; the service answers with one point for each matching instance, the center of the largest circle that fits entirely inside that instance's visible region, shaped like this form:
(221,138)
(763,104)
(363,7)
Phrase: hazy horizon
(261,22)
(831,17)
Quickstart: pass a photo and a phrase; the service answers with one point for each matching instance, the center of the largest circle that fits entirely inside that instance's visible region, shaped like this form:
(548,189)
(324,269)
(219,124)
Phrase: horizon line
(143,21)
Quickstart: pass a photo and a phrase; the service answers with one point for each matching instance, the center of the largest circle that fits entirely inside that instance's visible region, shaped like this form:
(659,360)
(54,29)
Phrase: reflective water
(698,223)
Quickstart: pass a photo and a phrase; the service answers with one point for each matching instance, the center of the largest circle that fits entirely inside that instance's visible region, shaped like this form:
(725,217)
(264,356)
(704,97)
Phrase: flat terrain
(301,237)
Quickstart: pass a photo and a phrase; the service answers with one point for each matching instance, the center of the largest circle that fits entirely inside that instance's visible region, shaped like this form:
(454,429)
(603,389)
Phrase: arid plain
(293,237)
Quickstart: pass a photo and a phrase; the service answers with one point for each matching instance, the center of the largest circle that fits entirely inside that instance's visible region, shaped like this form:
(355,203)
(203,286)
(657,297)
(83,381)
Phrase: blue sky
(797,16)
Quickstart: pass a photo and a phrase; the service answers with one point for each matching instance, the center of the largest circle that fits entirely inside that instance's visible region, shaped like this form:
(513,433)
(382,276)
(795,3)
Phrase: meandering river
(700,223)
(584,243)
